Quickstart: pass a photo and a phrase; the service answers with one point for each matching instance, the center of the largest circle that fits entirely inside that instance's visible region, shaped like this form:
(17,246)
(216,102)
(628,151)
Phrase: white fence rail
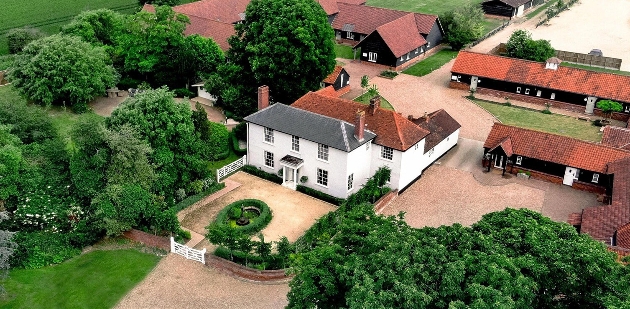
(230,168)
(187,252)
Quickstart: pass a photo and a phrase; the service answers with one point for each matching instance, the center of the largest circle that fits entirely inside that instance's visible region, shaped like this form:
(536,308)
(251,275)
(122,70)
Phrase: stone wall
(247,273)
(384,201)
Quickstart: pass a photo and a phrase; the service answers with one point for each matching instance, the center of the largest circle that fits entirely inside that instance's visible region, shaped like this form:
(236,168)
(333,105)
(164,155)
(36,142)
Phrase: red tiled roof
(329,6)
(217,10)
(148,8)
(367,18)
(616,137)
(440,124)
(392,129)
(601,222)
(585,82)
(401,35)
(556,148)
(623,236)
(332,77)
(218,31)
(506,145)
(329,92)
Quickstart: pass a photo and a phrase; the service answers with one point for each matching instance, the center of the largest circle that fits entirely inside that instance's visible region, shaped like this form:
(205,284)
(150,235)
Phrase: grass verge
(596,69)
(531,119)
(98,279)
(344,51)
(365,99)
(541,8)
(431,63)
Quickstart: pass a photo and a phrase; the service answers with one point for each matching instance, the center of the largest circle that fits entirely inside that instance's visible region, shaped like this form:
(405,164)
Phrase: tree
(168,128)
(12,165)
(365,82)
(18,38)
(522,46)
(198,58)
(99,27)
(129,159)
(463,25)
(7,247)
(608,107)
(285,44)
(151,41)
(62,69)
(512,259)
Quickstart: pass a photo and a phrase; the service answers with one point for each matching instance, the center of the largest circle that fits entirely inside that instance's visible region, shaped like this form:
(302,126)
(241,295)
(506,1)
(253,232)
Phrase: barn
(508,8)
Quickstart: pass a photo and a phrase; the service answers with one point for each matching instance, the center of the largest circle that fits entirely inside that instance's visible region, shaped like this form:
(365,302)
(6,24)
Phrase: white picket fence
(230,168)
(187,252)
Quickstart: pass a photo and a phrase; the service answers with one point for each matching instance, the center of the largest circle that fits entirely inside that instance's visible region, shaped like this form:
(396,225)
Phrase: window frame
(526,90)
(553,96)
(387,151)
(518,89)
(295,143)
(322,175)
(268,136)
(350,182)
(538,93)
(519,160)
(349,35)
(268,155)
(323,152)
(595,178)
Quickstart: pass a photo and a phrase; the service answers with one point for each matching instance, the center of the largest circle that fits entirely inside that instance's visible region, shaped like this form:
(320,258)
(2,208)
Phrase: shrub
(128,82)
(196,198)
(250,169)
(217,141)
(235,146)
(240,131)
(255,225)
(235,213)
(598,123)
(182,235)
(80,108)
(18,38)
(546,111)
(303,179)
(183,93)
(389,74)
(320,195)
(39,249)
(273,261)
(180,194)
(195,187)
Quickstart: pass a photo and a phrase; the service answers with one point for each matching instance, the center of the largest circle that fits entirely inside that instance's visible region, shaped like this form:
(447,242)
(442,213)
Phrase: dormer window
(552,63)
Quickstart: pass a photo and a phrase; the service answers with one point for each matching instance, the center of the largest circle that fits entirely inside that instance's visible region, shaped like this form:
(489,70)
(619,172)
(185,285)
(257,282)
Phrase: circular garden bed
(249,215)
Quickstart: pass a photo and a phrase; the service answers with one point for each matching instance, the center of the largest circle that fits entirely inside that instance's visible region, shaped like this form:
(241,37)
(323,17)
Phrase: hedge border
(187,202)
(320,195)
(254,227)
(250,169)
(237,148)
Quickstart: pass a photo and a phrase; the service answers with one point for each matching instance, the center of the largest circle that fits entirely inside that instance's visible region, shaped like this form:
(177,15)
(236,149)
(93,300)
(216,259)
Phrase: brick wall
(541,101)
(584,186)
(457,85)
(384,201)
(621,252)
(148,239)
(343,90)
(352,43)
(241,271)
(578,185)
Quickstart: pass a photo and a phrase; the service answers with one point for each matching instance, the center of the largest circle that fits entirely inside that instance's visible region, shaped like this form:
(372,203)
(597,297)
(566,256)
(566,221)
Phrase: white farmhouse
(338,144)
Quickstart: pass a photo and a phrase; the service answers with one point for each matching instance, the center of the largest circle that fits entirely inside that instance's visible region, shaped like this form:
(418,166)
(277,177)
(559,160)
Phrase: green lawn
(98,279)
(50,15)
(344,51)
(541,8)
(596,69)
(213,166)
(365,99)
(431,63)
(436,7)
(554,123)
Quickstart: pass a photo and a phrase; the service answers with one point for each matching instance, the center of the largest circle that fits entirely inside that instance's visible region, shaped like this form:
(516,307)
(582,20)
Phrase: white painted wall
(413,164)
(337,164)
(394,165)
(358,164)
(202,93)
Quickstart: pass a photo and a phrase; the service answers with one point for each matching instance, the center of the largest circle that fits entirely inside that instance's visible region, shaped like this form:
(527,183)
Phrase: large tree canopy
(285,44)
(62,68)
(101,27)
(509,259)
(168,128)
(463,25)
(522,46)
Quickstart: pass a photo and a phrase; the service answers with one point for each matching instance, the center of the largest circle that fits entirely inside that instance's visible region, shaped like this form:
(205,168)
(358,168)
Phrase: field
(98,279)
(535,120)
(431,63)
(436,7)
(50,15)
(365,99)
(596,69)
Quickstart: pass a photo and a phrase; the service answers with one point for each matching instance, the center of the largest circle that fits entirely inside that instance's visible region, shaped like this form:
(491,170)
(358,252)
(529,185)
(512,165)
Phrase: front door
(590,105)
(498,161)
(570,174)
(473,83)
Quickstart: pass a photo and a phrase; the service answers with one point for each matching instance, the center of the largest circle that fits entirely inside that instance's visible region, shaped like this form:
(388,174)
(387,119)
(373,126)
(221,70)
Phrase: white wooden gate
(230,168)
(187,252)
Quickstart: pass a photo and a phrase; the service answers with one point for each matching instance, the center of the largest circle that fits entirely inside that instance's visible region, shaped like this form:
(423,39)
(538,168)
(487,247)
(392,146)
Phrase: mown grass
(365,99)
(536,120)
(596,69)
(215,165)
(98,279)
(541,8)
(50,15)
(431,63)
(436,7)
(344,51)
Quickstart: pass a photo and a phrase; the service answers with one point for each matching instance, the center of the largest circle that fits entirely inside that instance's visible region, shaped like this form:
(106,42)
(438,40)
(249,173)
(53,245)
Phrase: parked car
(596,52)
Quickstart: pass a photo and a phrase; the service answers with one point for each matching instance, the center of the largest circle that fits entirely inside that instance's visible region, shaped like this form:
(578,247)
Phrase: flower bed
(244,208)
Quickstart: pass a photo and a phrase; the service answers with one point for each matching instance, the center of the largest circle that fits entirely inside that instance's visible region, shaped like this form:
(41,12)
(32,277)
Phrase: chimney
(552,63)
(426,117)
(263,97)
(359,125)
(375,103)
(410,117)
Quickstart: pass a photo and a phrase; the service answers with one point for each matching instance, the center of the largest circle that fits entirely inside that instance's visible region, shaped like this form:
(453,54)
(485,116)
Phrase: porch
(290,171)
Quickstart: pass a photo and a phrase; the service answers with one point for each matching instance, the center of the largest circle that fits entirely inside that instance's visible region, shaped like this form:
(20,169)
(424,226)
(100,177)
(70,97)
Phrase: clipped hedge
(320,195)
(250,169)
(272,262)
(255,225)
(237,148)
(196,198)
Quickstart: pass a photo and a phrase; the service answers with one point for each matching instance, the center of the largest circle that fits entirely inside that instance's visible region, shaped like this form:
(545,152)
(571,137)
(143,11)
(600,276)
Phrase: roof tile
(440,124)
(580,81)
(616,137)
(367,18)
(401,35)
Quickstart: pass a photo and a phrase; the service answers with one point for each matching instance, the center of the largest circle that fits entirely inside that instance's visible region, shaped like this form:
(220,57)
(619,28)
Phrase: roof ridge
(345,136)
